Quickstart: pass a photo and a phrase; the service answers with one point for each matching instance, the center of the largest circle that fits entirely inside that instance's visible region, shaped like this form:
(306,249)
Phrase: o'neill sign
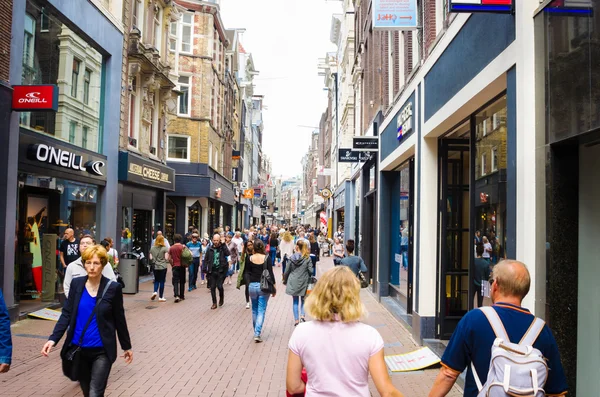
(35,97)
(63,158)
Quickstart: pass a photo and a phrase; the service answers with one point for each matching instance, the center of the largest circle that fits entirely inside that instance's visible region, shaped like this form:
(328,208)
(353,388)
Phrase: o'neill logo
(32,97)
(63,158)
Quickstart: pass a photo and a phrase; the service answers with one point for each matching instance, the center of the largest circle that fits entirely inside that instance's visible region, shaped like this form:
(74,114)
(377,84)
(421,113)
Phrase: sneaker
(248,305)
(162,300)
(258,339)
(153,296)
(177,299)
(202,282)
(190,289)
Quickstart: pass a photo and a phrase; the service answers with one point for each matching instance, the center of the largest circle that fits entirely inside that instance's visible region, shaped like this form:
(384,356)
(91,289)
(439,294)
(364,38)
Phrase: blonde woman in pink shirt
(337,350)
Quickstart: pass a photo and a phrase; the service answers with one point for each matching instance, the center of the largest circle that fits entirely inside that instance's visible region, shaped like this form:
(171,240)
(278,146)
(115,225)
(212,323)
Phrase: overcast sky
(286,38)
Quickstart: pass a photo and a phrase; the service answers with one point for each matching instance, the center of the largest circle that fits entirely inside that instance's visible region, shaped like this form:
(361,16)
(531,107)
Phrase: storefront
(143,184)
(55,161)
(203,199)
(58,188)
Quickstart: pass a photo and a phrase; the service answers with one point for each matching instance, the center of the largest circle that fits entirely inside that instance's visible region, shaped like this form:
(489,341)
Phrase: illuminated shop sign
(404,121)
(63,158)
(499,6)
(35,97)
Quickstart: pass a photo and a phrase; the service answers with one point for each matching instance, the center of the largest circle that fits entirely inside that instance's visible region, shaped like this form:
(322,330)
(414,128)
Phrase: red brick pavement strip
(186,349)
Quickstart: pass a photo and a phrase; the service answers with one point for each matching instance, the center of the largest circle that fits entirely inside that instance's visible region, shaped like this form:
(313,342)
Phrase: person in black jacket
(217,264)
(98,344)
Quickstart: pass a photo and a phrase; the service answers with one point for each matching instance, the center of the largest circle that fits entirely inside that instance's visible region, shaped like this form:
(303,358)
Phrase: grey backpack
(515,369)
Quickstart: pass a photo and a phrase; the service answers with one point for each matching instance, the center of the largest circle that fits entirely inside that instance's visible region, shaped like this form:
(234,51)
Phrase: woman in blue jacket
(92,315)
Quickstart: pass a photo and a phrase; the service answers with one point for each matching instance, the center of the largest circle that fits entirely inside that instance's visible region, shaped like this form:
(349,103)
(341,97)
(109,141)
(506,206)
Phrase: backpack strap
(536,327)
(500,332)
(495,322)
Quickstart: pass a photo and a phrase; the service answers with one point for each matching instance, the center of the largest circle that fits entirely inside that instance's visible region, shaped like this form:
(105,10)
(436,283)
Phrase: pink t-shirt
(336,356)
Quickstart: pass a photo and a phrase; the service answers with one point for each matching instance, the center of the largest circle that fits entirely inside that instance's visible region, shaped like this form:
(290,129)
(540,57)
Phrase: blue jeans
(295,307)
(259,306)
(273,254)
(159,282)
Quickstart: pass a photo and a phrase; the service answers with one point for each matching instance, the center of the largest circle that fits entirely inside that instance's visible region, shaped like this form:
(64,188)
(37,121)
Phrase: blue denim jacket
(5,339)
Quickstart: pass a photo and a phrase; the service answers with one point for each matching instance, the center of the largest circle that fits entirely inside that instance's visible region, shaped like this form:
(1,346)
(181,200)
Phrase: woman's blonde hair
(287,237)
(160,241)
(304,248)
(336,297)
(97,250)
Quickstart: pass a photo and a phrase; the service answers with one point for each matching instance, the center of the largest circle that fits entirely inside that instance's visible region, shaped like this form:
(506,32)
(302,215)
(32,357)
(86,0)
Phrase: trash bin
(128,268)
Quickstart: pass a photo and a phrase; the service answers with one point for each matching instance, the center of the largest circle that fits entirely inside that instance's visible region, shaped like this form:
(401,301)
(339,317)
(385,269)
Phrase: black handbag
(266,283)
(71,363)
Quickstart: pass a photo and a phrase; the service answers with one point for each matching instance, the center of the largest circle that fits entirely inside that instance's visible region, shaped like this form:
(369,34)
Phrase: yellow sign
(326,193)
(248,193)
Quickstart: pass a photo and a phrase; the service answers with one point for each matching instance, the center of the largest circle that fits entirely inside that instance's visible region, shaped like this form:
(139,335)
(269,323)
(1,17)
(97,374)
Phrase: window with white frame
(187,27)
(185,97)
(72,131)
(87,78)
(156,35)
(133,96)
(484,170)
(210,154)
(84,137)
(173,36)
(494,159)
(178,148)
(216,165)
(137,19)
(75,77)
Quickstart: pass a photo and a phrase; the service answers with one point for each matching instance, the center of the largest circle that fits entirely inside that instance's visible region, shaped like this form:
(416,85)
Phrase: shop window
(75,77)
(87,77)
(401,263)
(47,207)
(170,219)
(178,148)
(60,56)
(490,187)
(184,98)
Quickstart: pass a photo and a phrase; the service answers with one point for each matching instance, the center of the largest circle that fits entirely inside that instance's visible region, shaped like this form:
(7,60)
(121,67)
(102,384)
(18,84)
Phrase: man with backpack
(504,347)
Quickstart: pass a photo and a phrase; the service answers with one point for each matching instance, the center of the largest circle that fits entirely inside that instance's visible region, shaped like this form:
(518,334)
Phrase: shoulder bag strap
(498,328)
(89,320)
(537,325)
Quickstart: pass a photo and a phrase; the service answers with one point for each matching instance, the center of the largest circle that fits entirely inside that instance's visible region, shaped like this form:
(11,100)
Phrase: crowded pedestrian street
(179,178)
(186,349)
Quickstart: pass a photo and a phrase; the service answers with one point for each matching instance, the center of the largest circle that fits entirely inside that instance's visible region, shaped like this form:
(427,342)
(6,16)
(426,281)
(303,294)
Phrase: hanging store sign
(234,174)
(352,156)
(257,192)
(322,171)
(326,193)
(493,6)
(395,14)
(248,193)
(404,121)
(139,170)
(365,143)
(35,97)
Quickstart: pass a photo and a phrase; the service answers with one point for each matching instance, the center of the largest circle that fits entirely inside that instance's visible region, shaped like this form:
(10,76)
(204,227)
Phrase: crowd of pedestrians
(333,354)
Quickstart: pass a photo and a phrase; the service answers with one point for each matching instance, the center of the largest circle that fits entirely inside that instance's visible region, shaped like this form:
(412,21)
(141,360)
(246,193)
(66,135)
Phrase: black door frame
(444,147)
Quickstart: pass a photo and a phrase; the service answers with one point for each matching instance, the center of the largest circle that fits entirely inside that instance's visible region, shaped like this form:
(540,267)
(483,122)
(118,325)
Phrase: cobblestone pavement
(186,349)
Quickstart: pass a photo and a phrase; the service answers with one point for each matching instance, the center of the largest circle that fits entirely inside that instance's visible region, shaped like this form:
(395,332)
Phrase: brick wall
(5,35)
(429,28)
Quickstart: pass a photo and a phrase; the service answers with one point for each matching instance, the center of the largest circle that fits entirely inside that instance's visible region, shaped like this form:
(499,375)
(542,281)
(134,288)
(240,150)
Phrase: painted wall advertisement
(395,14)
